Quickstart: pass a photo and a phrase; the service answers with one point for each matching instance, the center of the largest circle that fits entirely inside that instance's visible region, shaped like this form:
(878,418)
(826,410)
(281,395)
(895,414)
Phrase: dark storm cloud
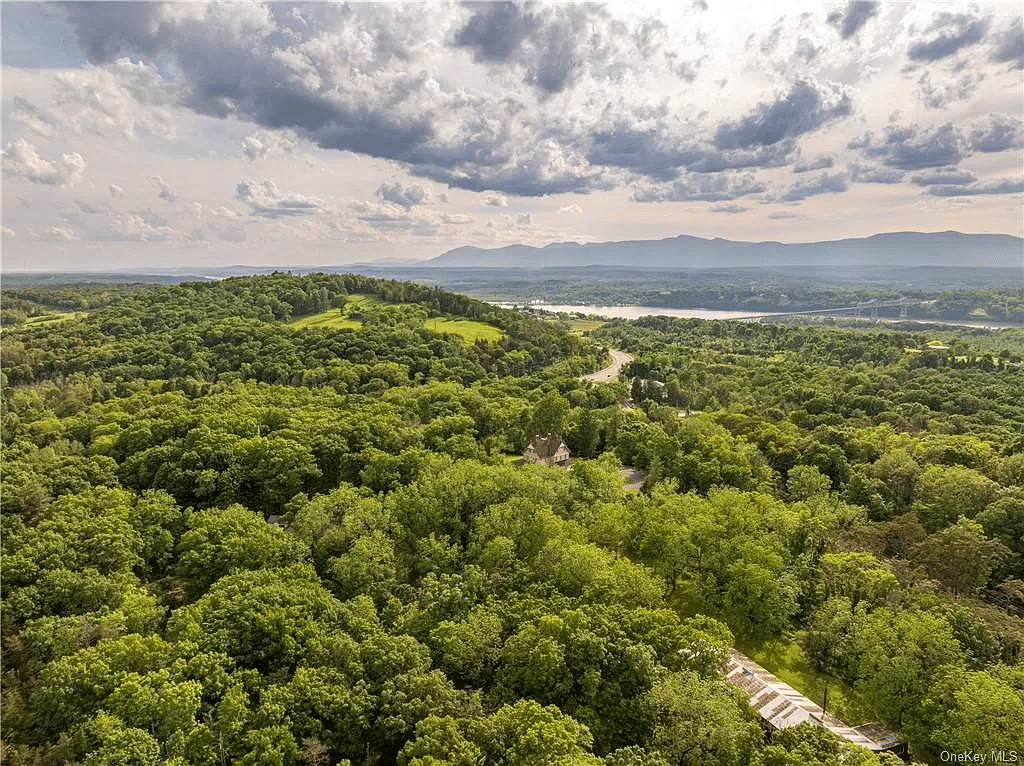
(702,188)
(1009,45)
(496,31)
(854,17)
(945,177)
(826,183)
(109,30)
(910,148)
(999,134)
(643,151)
(957,32)
(551,44)
(802,110)
(818,163)
(657,155)
(1003,186)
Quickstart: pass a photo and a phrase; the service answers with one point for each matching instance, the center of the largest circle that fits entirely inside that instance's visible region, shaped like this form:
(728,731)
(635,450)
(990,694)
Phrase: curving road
(619,360)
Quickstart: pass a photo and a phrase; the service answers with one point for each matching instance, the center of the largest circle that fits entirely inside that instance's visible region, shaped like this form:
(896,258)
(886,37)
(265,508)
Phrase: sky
(143,134)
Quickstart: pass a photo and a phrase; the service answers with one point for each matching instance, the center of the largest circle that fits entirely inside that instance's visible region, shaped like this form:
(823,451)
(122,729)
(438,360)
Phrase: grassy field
(580,326)
(342,319)
(785,658)
(336,319)
(59,316)
(467,328)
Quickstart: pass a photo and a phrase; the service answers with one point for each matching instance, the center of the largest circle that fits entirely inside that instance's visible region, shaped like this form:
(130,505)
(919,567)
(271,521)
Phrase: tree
(898,655)
(224,540)
(960,557)
(857,576)
(946,492)
(550,413)
(262,619)
(701,721)
(967,711)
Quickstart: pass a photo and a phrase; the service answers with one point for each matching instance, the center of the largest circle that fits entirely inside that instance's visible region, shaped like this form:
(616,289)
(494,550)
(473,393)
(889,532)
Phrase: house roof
(547,445)
(782,706)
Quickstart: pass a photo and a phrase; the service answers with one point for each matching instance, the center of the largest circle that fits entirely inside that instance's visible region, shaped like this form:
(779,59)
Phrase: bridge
(864,310)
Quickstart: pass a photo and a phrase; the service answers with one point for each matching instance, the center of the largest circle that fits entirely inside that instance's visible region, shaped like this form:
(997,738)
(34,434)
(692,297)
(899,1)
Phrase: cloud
(34,119)
(654,153)
(496,200)
(944,176)
(268,201)
(21,160)
(115,190)
(404,196)
(1009,45)
(702,188)
(910,148)
(729,209)
(573,209)
(826,183)
(165,191)
(856,15)
(263,143)
(456,219)
(803,109)
(782,214)
(121,99)
(958,31)
(818,163)
(873,174)
(999,133)
(496,31)
(7,232)
(525,219)
(941,96)
(62,234)
(141,226)
(551,46)
(1001,186)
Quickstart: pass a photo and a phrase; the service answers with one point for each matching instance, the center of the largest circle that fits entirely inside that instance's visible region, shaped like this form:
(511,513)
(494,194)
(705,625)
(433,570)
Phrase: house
(547,450)
(781,706)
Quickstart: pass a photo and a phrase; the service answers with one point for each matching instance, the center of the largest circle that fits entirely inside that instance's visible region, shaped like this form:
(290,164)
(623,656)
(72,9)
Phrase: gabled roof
(546,446)
(782,706)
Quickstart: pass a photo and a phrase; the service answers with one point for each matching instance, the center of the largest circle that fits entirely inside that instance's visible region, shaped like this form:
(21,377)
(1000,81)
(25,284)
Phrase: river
(635,312)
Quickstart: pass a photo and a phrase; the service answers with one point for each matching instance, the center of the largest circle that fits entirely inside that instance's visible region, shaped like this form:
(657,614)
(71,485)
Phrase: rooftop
(782,706)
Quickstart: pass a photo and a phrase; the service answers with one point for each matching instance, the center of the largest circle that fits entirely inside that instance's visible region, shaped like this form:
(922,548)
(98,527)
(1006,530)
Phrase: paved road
(619,360)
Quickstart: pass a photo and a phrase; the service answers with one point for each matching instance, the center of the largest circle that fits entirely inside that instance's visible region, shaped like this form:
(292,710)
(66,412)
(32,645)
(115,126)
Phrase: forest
(283,519)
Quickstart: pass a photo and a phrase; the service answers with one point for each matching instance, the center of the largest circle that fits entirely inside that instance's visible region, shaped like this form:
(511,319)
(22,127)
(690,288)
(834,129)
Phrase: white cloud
(573,209)
(21,160)
(496,200)
(265,199)
(263,143)
(115,190)
(61,233)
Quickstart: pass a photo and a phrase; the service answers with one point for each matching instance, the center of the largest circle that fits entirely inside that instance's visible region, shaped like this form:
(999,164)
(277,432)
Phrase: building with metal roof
(781,706)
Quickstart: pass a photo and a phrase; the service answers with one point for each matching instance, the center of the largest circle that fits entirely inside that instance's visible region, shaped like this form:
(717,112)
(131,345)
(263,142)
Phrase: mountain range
(948,248)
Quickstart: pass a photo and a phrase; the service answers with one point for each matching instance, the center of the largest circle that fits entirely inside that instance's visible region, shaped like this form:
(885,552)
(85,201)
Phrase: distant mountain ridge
(947,248)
